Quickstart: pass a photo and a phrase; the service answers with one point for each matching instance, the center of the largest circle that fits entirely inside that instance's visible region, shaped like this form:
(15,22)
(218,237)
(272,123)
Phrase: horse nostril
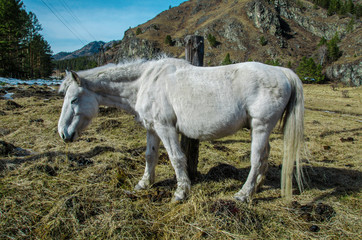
(72,137)
(65,138)
(68,138)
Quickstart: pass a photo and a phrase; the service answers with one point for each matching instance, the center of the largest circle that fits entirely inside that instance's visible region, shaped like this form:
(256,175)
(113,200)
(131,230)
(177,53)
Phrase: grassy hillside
(84,190)
(292,30)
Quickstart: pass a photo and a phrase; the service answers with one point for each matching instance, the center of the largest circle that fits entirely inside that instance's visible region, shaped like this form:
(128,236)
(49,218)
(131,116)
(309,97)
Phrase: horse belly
(207,123)
(205,108)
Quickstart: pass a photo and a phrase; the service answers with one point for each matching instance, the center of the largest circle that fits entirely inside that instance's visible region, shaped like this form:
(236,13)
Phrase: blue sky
(87,20)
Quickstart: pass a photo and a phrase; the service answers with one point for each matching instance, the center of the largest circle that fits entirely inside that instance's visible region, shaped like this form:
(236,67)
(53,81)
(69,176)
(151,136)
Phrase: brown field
(49,190)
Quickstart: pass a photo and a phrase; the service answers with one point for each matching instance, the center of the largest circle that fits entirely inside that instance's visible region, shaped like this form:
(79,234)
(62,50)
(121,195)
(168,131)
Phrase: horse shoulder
(152,103)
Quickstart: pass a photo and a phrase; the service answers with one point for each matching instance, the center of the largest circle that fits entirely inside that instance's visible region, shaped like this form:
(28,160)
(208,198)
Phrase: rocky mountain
(279,31)
(88,50)
(60,55)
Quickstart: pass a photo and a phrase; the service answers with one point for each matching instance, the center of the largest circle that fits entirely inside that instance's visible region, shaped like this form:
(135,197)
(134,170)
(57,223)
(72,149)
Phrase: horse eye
(74,100)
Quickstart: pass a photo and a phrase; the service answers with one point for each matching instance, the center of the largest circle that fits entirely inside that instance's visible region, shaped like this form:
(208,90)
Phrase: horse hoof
(177,200)
(139,187)
(242,198)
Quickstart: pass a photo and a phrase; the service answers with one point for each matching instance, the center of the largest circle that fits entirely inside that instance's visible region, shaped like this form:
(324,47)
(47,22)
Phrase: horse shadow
(75,159)
(342,181)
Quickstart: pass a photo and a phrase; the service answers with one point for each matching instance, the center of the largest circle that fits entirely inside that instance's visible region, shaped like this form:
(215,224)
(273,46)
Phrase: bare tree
(322,53)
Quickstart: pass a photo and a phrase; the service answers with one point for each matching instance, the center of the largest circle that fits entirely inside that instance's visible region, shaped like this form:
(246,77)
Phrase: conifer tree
(23,51)
(309,72)
(12,32)
(227,60)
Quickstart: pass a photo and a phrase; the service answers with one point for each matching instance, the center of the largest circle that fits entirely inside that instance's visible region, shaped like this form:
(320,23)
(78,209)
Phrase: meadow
(84,190)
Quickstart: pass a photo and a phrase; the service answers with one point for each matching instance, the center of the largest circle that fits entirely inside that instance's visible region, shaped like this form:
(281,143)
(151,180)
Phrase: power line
(74,16)
(56,15)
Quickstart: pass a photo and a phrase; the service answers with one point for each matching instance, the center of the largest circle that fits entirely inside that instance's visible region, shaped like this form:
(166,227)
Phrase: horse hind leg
(263,168)
(153,144)
(258,158)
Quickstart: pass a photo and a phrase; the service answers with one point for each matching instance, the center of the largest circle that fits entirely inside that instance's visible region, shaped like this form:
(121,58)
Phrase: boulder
(348,73)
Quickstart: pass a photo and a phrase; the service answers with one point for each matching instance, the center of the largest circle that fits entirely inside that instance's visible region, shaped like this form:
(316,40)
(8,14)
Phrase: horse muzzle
(68,137)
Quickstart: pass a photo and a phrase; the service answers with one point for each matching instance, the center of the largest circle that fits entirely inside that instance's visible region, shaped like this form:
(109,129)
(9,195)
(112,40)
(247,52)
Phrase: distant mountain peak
(88,50)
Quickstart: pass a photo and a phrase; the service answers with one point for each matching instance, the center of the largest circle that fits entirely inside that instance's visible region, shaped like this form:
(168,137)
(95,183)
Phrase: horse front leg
(259,162)
(170,139)
(153,144)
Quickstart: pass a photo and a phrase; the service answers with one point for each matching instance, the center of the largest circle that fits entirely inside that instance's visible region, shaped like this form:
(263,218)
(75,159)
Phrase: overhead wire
(101,57)
(76,19)
(59,17)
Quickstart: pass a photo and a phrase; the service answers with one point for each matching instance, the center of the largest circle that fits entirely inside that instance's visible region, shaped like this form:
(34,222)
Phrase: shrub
(300,4)
(263,41)
(309,72)
(227,60)
(168,40)
(334,7)
(323,41)
(345,93)
(273,62)
(334,86)
(333,52)
(358,11)
(138,31)
(212,40)
(350,25)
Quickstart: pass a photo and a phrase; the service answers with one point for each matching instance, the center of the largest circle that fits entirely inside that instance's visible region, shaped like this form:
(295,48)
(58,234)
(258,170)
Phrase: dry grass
(84,190)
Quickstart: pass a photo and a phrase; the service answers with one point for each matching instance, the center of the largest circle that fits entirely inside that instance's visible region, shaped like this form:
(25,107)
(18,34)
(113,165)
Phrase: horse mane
(101,73)
(65,84)
(125,71)
(113,72)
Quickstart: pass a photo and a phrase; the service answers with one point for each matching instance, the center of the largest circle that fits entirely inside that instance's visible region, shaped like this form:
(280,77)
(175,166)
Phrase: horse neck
(121,95)
(118,89)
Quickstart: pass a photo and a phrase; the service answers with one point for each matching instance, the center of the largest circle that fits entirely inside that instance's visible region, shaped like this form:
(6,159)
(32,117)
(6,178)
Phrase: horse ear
(76,78)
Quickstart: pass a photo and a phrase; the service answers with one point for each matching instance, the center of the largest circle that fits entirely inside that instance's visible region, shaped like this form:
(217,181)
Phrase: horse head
(79,107)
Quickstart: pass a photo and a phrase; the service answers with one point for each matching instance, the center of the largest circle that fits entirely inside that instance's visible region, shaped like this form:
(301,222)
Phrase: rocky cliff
(258,30)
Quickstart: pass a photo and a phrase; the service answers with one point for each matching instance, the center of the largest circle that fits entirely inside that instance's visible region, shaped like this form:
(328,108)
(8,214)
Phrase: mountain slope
(291,30)
(88,50)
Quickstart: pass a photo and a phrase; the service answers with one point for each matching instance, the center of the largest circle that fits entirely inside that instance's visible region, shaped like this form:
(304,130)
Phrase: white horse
(171,96)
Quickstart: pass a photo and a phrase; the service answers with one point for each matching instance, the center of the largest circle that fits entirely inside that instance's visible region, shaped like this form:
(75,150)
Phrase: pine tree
(212,40)
(342,7)
(333,50)
(350,7)
(227,60)
(23,51)
(309,72)
(12,31)
(76,64)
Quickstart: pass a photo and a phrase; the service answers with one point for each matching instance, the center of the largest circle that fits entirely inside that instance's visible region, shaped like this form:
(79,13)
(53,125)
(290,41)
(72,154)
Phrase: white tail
(293,126)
